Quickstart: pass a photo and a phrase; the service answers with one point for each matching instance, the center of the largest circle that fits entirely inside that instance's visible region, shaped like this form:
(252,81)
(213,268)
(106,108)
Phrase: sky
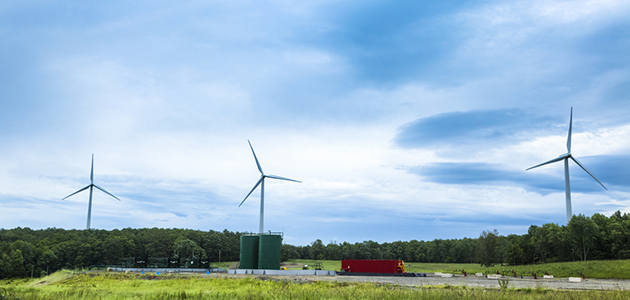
(404,120)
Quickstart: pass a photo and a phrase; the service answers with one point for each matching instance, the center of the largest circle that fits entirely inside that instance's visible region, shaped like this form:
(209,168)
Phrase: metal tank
(269,251)
(249,252)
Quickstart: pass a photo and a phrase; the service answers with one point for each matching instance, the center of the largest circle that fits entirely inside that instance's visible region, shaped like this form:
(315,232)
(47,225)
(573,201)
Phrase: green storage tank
(249,252)
(269,251)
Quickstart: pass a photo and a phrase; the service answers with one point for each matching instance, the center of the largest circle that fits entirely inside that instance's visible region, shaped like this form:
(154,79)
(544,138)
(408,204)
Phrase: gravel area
(470,281)
(457,280)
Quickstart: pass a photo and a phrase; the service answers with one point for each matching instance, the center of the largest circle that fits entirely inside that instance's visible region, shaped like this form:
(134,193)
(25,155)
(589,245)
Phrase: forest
(25,252)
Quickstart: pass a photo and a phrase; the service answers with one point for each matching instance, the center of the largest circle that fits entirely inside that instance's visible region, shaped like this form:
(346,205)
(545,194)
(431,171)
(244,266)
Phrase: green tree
(46,259)
(619,236)
(468,249)
(583,232)
(116,247)
(213,242)
(487,250)
(161,243)
(397,250)
(317,250)
(348,251)
(186,248)
(288,252)
(5,266)
(537,242)
(514,253)
(18,269)
(27,250)
(333,251)
(414,251)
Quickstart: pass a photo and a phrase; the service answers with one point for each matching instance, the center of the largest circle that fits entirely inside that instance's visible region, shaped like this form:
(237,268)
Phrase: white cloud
(167,97)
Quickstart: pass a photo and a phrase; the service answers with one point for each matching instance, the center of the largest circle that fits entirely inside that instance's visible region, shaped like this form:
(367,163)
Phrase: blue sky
(403,121)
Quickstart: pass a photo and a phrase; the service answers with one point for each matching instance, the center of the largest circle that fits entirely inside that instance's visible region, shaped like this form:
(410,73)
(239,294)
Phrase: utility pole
(219,256)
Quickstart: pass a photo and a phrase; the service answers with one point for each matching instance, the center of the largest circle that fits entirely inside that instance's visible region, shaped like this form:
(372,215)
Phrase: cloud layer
(395,117)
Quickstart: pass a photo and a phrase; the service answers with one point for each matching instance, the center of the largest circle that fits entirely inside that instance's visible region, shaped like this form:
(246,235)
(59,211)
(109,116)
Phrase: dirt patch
(53,278)
(154,277)
(43,282)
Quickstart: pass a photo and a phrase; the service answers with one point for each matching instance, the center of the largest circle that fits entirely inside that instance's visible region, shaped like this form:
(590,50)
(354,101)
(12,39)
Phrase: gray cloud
(475,127)
(609,169)
(154,82)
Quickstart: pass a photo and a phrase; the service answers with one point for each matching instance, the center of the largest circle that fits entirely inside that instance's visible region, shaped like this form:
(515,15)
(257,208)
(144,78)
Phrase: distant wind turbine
(566,158)
(90,186)
(261,182)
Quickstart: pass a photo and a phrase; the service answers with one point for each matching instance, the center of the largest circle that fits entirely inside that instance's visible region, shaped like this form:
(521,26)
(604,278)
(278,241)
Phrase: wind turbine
(566,158)
(91,186)
(261,182)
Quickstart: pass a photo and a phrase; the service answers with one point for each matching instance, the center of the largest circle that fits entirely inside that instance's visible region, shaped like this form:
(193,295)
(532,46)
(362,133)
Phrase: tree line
(25,252)
(593,238)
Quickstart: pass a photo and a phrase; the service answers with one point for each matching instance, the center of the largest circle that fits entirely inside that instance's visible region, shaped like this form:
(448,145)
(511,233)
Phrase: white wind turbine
(91,186)
(261,182)
(566,158)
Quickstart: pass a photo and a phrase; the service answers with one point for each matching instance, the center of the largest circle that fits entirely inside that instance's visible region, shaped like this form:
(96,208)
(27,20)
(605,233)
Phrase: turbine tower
(91,186)
(566,158)
(261,182)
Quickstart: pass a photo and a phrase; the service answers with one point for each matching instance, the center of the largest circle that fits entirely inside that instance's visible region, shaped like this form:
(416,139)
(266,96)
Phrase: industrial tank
(249,252)
(269,251)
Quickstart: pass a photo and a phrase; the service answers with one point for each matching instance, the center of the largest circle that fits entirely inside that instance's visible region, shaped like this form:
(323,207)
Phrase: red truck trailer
(379,266)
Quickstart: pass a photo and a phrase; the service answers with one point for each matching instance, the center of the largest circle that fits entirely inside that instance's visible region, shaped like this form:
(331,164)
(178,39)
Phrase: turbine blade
(281,178)
(256,158)
(570,129)
(589,173)
(81,190)
(92,170)
(250,192)
(548,162)
(106,192)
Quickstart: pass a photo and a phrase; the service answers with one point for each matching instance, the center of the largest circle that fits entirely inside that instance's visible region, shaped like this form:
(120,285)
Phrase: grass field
(607,269)
(105,285)
(297,264)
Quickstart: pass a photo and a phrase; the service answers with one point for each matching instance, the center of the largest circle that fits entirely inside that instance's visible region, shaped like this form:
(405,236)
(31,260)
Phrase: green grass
(55,277)
(225,264)
(105,285)
(606,269)
(326,264)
